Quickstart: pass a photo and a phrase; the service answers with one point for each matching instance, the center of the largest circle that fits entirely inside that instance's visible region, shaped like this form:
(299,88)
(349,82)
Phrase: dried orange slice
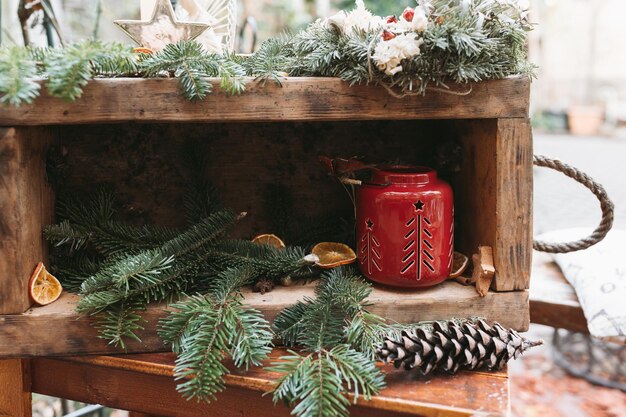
(269,239)
(333,254)
(459,264)
(143,50)
(43,287)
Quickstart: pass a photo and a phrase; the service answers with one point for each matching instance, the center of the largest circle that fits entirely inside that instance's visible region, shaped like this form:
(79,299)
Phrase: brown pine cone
(450,346)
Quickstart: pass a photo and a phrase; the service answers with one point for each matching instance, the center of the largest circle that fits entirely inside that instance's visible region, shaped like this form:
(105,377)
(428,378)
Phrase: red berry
(388,35)
(408,14)
(392,19)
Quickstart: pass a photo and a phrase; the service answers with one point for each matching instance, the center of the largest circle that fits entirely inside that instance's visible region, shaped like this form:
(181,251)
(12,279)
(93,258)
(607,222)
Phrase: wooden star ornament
(162,29)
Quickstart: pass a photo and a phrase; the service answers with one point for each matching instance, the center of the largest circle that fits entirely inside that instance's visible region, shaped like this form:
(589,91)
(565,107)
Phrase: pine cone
(448,347)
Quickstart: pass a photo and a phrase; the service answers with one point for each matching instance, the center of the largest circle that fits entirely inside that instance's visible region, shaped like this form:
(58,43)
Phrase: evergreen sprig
(205,328)
(192,65)
(316,382)
(18,72)
(162,274)
(89,222)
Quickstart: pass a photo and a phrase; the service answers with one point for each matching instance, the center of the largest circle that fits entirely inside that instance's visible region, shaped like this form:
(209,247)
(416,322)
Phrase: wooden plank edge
(559,316)
(263,385)
(57,330)
(116,100)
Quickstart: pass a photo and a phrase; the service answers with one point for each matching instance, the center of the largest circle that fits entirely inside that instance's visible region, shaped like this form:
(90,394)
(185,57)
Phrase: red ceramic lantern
(405,227)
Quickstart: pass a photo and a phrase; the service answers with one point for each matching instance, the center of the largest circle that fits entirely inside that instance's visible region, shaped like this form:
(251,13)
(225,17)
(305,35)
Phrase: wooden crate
(131,133)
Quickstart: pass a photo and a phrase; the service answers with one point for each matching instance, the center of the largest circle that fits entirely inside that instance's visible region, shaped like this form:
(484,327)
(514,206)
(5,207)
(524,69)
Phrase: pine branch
(203,328)
(69,69)
(201,197)
(119,323)
(325,327)
(264,260)
(18,76)
(192,65)
(73,270)
(271,60)
(89,223)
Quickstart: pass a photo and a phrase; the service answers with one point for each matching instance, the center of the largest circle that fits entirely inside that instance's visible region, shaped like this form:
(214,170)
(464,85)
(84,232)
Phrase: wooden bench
(143,383)
(553,301)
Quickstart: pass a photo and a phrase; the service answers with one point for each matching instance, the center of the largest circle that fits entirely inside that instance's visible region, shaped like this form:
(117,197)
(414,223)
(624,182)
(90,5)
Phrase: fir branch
(318,383)
(119,323)
(18,76)
(192,65)
(89,223)
(271,60)
(201,197)
(73,270)
(266,261)
(67,233)
(203,328)
(69,69)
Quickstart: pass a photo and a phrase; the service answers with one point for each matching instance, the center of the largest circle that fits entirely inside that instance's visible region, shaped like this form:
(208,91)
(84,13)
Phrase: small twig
(96,27)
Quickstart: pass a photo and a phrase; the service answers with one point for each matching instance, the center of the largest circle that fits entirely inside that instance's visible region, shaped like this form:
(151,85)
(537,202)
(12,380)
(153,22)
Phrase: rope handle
(597,189)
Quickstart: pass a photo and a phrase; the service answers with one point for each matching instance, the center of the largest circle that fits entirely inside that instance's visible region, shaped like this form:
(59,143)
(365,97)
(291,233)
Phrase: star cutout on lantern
(162,29)
(369,224)
(419,206)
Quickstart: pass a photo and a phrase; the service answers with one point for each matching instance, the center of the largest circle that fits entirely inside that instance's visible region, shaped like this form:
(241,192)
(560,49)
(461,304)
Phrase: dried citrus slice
(333,254)
(459,264)
(269,239)
(43,287)
(143,50)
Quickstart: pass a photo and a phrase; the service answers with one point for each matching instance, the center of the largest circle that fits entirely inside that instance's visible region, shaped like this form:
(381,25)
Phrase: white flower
(389,54)
(338,19)
(395,70)
(359,18)
(419,22)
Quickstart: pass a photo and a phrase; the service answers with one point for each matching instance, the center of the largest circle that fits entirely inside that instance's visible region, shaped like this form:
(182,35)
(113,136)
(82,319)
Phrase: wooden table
(143,383)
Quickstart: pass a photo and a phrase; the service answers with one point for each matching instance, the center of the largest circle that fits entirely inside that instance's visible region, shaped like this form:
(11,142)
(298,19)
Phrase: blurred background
(578,109)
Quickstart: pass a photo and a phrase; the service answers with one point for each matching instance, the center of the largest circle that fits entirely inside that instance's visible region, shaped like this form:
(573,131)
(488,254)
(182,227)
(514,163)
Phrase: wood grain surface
(26,205)
(143,383)
(514,204)
(15,397)
(30,334)
(553,301)
(493,196)
(299,99)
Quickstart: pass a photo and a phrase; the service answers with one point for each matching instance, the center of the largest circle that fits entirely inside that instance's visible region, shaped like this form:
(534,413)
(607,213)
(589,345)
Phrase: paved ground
(562,203)
(538,386)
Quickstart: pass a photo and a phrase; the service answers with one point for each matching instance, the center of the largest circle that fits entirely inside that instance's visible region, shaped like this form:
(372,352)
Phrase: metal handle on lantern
(597,189)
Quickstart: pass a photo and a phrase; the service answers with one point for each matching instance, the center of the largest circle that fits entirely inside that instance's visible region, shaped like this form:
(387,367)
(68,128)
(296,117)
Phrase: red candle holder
(405,227)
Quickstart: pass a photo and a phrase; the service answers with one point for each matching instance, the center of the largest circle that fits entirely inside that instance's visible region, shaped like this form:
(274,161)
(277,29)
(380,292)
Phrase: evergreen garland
(464,42)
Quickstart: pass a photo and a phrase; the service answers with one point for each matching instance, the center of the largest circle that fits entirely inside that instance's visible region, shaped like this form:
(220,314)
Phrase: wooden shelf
(144,383)
(299,99)
(57,329)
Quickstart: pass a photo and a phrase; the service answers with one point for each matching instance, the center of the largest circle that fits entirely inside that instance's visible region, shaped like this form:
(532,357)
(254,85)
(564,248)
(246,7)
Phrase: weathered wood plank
(29,334)
(299,99)
(553,301)
(493,196)
(475,187)
(514,205)
(26,205)
(15,398)
(143,383)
